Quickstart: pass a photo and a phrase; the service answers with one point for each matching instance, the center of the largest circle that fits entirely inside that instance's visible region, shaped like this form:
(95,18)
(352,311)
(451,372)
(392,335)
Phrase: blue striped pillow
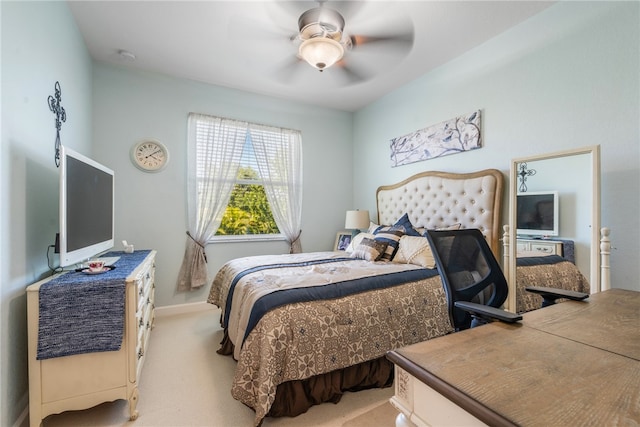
(405,222)
(391,236)
(369,249)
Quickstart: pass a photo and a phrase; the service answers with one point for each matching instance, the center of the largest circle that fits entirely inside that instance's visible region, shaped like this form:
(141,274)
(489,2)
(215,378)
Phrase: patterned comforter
(546,271)
(350,324)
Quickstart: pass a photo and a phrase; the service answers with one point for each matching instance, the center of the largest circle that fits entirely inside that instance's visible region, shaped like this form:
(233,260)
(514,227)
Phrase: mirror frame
(594,265)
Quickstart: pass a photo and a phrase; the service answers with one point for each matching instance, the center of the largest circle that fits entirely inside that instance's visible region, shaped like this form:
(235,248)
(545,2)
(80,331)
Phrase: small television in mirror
(86,208)
(538,213)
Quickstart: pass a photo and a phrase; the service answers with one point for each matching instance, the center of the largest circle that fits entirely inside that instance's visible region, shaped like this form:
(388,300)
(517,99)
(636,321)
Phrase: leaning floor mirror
(554,208)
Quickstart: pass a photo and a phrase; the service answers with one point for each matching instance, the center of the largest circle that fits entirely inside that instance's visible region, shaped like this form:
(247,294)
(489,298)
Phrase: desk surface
(556,368)
(609,321)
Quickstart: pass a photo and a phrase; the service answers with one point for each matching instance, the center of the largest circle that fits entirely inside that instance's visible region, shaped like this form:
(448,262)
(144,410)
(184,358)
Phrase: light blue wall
(151,208)
(40,45)
(566,78)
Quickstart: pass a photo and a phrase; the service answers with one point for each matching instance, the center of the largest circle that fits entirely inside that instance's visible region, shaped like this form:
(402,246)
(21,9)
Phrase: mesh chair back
(469,271)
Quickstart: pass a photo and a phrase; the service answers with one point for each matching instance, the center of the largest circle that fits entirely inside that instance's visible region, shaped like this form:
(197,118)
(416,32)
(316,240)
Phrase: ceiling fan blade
(404,40)
(350,74)
(287,70)
(245,28)
(348,9)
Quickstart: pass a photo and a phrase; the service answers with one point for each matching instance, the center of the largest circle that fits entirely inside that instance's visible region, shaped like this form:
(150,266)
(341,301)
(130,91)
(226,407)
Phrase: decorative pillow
(405,222)
(457,226)
(356,241)
(391,236)
(369,249)
(372,227)
(415,250)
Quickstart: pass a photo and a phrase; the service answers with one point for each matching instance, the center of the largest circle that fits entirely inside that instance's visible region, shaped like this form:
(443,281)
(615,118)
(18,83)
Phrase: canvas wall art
(452,136)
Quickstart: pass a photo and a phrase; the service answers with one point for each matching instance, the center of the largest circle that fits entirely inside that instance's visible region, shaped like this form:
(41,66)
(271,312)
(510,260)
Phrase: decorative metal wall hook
(523,174)
(55,106)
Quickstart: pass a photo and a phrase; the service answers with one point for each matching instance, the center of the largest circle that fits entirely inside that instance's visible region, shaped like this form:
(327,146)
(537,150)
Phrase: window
(248,211)
(248,180)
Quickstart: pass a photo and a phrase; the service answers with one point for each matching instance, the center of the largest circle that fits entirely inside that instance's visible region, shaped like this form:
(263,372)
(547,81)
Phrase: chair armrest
(485,311)
(550,295)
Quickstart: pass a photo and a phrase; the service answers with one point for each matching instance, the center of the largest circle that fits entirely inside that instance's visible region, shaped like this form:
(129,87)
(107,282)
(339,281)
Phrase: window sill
(248,238)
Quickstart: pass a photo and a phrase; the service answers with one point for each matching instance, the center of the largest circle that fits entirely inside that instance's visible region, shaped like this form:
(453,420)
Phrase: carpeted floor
(382,415)
(186,383)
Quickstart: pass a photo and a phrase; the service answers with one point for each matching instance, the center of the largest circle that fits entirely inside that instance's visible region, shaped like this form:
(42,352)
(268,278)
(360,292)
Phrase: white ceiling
(246,44)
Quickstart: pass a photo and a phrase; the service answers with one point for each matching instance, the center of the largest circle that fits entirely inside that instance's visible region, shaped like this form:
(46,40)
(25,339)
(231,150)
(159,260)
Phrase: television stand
(537,245)
(80,381)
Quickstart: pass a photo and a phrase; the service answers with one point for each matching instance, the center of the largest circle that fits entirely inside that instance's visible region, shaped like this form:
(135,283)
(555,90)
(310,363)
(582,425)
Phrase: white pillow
(372,227)
(415,250)
(357,240)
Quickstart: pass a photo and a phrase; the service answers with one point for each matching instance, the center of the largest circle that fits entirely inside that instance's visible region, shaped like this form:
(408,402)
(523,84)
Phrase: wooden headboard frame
(441,199)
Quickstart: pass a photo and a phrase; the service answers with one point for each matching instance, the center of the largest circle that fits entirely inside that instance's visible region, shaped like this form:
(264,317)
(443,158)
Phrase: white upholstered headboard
(441,199)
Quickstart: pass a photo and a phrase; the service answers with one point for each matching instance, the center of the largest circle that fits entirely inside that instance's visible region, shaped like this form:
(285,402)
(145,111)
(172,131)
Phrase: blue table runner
(82,313)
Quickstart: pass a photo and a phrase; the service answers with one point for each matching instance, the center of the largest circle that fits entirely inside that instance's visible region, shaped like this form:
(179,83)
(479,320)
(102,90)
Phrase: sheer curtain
(212,170)
(279,156)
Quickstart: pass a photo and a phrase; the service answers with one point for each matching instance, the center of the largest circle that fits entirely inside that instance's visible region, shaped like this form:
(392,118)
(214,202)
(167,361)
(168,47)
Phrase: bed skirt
(296,397)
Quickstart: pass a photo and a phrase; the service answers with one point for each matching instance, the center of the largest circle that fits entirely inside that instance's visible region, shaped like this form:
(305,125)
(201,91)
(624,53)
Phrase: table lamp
(356,221)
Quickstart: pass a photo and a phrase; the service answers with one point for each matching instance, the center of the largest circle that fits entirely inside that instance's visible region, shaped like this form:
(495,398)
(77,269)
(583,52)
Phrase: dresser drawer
(547,248)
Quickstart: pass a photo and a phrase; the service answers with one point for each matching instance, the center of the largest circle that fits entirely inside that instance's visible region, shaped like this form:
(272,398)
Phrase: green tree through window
(248,211)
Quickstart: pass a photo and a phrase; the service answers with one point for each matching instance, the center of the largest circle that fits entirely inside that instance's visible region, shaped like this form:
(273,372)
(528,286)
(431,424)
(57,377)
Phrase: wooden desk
(575,363)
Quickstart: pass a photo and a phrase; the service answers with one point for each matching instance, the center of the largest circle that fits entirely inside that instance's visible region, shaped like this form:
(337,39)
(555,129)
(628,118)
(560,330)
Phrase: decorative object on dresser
(76,362)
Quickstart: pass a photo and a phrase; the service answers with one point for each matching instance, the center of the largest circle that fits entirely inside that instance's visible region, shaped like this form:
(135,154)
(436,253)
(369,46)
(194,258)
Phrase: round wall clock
(149,155)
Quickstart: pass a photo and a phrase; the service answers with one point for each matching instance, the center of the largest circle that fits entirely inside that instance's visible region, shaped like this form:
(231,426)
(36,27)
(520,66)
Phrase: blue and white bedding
(263,283)
(329,312)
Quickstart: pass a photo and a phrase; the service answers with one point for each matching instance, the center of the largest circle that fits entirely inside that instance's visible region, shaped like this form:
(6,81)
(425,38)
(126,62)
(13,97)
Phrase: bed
(545,271)
(336,315)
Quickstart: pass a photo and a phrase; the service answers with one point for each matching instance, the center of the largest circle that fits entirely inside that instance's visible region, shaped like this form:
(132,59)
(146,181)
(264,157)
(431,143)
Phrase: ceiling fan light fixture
(321,52)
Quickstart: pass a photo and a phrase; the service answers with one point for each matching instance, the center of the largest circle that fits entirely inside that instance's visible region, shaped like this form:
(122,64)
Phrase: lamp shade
(356,220)
(321,52)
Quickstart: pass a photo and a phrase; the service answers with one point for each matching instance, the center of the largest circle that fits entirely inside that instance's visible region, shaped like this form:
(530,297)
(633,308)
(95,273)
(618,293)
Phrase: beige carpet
(186,383)
(382,415)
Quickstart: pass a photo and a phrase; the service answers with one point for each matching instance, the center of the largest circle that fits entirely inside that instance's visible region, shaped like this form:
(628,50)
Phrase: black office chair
(473,280)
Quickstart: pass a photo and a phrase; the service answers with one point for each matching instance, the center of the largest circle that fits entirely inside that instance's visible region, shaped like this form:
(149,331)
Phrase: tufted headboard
(441,199)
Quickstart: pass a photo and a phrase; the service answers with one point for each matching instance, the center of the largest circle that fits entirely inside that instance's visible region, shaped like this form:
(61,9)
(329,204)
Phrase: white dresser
(541,246)
(81,381)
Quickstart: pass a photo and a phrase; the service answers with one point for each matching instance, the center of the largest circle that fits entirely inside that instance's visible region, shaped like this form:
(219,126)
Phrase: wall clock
(149,155)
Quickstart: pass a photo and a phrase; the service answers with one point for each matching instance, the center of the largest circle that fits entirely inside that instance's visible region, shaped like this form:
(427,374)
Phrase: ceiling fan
(323,42)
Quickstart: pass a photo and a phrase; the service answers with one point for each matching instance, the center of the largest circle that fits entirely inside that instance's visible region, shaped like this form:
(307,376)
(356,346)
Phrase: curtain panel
(214,153)
(211,172)
(279,157)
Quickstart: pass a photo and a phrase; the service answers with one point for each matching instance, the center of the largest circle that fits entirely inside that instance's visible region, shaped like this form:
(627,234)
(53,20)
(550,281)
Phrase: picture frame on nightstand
(343,239)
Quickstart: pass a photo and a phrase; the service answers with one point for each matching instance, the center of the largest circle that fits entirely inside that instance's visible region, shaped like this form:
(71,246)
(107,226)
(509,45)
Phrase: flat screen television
(538,213)
(86,208)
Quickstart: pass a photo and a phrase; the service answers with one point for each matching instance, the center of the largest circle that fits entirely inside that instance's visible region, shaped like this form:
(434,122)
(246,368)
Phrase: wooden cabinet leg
(133,403)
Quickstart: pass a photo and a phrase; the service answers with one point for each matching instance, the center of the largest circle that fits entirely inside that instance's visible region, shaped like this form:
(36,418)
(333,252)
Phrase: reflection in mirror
(554,203)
